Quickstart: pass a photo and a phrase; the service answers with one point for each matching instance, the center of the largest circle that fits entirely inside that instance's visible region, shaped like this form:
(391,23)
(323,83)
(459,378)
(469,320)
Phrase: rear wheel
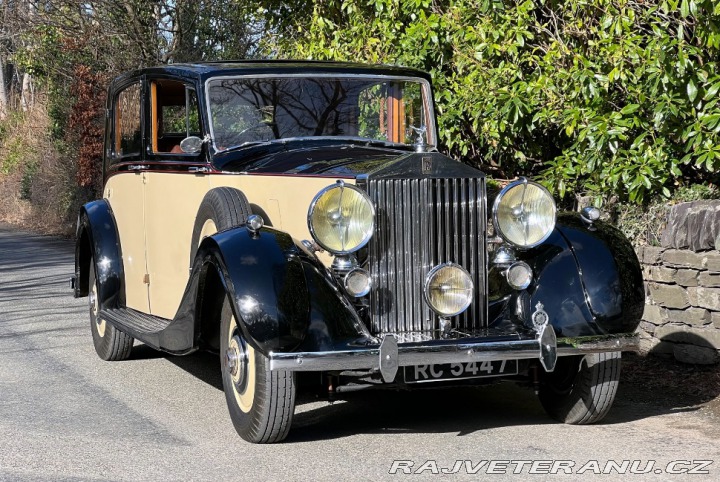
(110,343)
(261,402)
(581,389)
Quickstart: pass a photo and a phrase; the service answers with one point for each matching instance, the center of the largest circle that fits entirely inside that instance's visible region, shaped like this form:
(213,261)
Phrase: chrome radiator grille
(421,223)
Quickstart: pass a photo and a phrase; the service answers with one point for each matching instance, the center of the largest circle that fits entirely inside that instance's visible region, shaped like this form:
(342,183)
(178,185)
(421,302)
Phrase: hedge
(604,97)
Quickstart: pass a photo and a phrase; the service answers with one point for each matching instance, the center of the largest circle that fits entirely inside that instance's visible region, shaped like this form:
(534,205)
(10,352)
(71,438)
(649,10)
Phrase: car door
(124,188)
(175,186)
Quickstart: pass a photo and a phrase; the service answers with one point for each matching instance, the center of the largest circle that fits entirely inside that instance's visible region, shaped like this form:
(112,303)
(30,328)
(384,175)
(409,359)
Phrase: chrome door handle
(138,167)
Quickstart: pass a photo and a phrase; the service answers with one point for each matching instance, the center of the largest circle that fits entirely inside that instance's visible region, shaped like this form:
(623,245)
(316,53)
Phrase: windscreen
(248,110)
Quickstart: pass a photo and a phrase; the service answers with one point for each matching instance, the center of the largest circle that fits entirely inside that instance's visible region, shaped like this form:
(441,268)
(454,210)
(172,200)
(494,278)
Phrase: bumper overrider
(388,355)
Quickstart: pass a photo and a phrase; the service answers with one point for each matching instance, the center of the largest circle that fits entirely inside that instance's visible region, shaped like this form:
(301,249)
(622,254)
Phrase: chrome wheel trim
(240,367)
(100,324)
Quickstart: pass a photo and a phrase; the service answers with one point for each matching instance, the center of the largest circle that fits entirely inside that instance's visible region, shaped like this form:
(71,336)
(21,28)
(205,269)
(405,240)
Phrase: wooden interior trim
(154,116)
(117,126)
(401,117)
(383,117)
(396,114)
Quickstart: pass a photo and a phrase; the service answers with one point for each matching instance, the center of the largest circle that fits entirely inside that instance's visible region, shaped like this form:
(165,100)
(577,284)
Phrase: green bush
(12,156)
(694,192)
(30,169)
(602,97)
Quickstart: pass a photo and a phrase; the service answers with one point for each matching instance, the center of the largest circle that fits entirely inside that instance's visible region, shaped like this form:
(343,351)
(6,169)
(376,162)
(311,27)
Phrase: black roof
(204,70)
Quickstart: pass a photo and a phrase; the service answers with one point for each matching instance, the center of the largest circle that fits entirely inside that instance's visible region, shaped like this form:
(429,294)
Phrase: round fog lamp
(448,289)
(357,283)
(519,275)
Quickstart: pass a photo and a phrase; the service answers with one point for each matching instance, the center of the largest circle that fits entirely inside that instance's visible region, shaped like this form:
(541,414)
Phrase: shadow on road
(32,254)
(461,410)
(653,385)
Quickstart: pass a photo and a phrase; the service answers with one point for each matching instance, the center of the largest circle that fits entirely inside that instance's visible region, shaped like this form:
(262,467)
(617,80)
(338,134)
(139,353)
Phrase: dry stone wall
(682,286)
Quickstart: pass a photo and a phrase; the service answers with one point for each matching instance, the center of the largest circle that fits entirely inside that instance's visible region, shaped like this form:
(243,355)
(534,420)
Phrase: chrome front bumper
(388,355)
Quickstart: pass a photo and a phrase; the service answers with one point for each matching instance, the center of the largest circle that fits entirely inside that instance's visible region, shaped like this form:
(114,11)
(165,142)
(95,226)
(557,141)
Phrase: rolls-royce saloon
(297,217)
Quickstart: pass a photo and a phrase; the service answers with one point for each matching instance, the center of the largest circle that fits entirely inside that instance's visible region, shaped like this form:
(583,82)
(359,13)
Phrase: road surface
(65,414)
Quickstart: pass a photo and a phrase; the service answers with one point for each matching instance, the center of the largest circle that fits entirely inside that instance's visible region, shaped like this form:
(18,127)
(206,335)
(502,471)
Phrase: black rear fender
(98,242)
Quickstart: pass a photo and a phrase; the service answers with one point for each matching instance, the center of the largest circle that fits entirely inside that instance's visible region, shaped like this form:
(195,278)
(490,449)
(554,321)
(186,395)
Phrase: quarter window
(127,122)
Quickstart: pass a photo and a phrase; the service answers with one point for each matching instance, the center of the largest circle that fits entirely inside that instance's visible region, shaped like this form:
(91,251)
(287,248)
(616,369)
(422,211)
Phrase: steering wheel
(264,133)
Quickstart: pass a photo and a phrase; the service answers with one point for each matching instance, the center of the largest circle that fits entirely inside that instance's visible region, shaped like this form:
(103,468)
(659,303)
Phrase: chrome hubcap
(93,302)
(236,360)
(94,308)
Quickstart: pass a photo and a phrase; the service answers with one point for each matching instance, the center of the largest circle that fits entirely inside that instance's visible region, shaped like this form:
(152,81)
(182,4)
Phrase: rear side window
(127,122)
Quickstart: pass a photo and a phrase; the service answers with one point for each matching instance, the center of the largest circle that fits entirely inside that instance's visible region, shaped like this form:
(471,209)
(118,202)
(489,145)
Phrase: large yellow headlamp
(341,218)
(524,213)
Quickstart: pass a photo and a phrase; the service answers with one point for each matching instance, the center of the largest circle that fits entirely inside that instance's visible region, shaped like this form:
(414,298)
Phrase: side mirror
(191,145)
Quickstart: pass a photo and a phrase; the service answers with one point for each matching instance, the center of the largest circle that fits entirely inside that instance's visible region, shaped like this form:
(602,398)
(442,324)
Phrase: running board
(152,330)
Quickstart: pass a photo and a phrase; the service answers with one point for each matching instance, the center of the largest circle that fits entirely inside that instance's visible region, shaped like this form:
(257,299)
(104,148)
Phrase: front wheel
(581,389)
(261,402)
(110,343)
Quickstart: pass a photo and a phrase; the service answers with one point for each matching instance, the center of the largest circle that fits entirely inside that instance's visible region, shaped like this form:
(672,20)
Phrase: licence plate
(455,371)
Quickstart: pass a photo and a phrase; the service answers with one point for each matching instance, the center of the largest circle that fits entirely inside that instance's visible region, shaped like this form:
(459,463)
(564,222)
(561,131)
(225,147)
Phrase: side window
(414,110)
(175,115)
(390,110)
(127,122)
(373,118)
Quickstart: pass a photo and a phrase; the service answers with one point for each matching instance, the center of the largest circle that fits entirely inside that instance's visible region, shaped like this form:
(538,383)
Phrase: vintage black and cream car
(296,217)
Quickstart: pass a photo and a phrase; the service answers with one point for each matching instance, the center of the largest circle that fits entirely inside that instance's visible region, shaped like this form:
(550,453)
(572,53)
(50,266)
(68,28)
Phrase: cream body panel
(172,202)
(124,192)
(285,199)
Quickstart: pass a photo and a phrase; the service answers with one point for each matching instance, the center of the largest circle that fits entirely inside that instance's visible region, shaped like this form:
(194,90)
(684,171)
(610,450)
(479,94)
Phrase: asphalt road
(65,414)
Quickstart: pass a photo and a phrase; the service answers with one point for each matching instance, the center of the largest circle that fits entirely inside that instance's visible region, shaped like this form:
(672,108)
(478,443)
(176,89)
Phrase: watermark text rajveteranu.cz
(500,467)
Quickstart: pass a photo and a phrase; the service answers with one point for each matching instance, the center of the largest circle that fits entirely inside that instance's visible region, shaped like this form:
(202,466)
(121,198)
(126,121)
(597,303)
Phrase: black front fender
(610,273)
(281,295)
(587,278)
(98,242)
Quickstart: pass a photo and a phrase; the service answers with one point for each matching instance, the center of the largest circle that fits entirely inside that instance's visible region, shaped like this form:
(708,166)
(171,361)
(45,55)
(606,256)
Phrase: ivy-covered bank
(603,97)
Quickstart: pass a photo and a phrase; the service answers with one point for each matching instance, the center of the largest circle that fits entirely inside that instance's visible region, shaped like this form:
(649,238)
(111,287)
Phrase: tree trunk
(27,98)
(3,91)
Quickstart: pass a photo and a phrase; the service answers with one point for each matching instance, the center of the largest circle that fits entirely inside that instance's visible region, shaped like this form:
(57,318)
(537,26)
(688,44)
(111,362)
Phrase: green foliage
(13,146)
(695,192)
(643,225)
(609,97)
(13,156)
(29,171)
